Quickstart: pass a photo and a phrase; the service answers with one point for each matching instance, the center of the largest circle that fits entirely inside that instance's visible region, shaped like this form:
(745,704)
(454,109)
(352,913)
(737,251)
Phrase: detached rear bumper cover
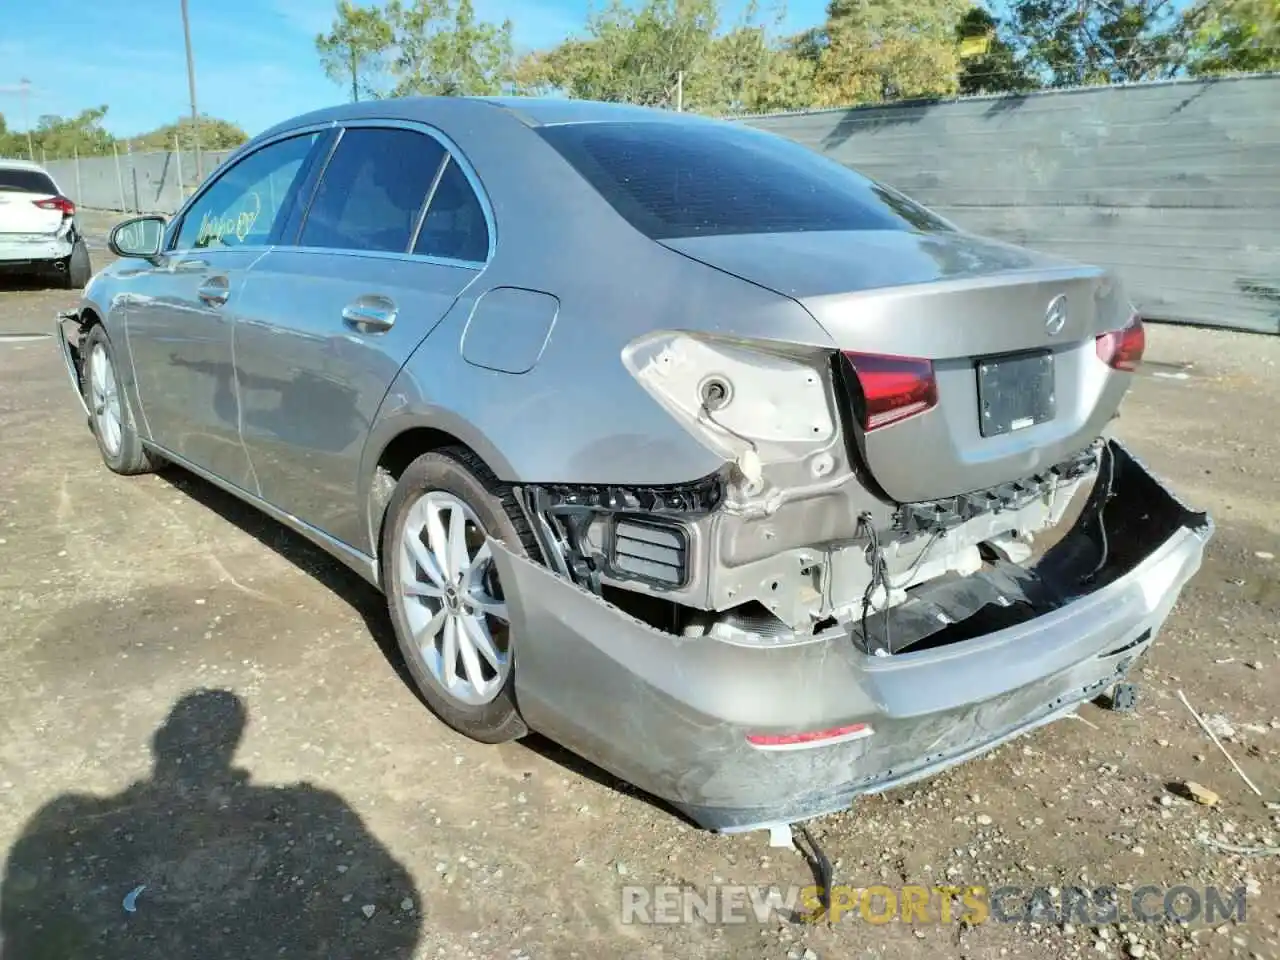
(672,714)
(69,347)
(34,249)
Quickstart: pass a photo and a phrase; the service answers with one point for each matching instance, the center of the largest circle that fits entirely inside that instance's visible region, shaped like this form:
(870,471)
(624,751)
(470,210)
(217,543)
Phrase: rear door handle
(214,291)
(370,314)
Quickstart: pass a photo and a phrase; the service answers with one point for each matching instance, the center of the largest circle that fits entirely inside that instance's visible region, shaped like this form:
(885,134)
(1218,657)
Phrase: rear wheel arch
(395,457)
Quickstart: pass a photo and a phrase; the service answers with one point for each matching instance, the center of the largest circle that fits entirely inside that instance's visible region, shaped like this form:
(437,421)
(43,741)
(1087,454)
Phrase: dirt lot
(355,824)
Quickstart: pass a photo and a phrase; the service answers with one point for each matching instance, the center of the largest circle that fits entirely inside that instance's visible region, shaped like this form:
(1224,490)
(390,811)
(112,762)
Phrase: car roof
(531,111)
(545,111)
(21,165)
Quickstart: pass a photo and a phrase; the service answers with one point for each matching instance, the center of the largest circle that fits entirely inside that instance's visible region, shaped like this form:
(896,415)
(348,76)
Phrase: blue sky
(255,59)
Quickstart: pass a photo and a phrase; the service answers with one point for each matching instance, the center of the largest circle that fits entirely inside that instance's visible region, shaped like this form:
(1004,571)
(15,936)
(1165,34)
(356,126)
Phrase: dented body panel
(787,467)
(671,713)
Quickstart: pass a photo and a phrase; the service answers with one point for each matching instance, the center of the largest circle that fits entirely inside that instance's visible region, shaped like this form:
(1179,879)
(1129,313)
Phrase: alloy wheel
(104,392)
(447,587)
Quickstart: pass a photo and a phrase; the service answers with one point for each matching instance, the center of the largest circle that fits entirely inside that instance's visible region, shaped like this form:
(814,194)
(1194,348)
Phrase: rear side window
(26,181)
(454,226)
(372,191)
(674,180)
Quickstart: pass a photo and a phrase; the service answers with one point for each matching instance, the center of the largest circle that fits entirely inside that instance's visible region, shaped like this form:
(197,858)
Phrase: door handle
(370,314)
(190,266)
(214,291)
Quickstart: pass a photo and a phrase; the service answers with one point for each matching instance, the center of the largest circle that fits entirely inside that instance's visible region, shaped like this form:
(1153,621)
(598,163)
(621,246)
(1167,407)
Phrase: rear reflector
(1122,349)
(893,388)
(57,203)
(814,738)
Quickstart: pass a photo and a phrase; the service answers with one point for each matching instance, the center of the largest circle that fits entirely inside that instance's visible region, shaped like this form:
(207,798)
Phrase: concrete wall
(137,182)
(1174,185)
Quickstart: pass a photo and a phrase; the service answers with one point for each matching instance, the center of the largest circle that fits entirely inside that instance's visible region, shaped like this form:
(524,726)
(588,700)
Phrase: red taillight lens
(57,203)
(893,388)
(1122,349)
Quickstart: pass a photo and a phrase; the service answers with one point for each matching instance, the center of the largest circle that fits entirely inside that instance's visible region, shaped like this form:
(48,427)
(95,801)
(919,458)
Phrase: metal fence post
(115,152)
(75,157)
(177,160)
(133,176)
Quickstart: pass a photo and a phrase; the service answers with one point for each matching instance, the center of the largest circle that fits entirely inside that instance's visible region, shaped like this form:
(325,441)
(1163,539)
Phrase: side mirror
(139,237)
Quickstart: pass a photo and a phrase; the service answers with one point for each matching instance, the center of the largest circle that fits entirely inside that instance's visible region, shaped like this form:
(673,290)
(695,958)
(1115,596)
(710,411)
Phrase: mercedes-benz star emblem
(1055,318)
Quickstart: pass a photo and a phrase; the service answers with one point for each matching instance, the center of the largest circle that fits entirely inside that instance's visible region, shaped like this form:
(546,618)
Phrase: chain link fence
(1174,185)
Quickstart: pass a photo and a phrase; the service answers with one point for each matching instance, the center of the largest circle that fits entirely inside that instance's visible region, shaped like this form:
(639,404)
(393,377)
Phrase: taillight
(893,388)
(1122,349)
(57,203)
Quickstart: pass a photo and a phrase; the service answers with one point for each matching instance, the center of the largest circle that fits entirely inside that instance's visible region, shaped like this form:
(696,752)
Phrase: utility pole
(191,87)
(24,90)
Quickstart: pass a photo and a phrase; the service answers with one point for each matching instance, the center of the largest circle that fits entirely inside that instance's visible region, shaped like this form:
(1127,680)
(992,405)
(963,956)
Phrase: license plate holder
(1015,391)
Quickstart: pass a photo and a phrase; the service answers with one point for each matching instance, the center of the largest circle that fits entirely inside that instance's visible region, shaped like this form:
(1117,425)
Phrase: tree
(214,134)
(356,48)
(1079,42)
(442,49)
(873,50)
(988,62)
(672,53)
(1233,35)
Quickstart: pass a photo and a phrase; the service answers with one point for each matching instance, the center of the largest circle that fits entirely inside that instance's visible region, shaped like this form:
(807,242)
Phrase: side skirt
(361,563)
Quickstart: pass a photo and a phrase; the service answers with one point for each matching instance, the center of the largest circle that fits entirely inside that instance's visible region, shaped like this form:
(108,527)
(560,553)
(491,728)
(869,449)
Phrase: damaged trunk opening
(932,574)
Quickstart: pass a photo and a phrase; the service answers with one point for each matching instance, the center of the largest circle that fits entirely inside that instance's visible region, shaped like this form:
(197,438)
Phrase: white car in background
(38,230)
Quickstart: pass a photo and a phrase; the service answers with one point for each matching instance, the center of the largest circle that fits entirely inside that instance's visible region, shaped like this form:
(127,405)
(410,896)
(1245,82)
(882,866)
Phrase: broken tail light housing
(893,388)
(1122,349)
(67,208)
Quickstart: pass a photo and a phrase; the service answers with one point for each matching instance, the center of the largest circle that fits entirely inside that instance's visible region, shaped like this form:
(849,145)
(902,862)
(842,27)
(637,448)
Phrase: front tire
(447,608)
(110,416)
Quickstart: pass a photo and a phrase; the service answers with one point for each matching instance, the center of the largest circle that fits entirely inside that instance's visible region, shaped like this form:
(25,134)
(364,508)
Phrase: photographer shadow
(199,862)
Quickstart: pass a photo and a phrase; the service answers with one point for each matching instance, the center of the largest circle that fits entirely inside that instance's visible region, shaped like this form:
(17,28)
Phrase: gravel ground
(350,823)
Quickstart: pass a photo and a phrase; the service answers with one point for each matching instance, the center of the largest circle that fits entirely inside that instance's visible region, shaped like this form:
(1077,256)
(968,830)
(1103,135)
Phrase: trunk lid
(22,186)
(1010,335)
(19,213)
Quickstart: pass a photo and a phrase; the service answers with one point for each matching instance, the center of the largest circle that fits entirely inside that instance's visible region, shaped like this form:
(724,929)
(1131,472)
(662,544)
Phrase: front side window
(372,191)
(243,206)
(673,180)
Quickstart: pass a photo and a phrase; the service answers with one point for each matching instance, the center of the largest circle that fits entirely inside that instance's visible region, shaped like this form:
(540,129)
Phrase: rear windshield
(684,180)
(26,181)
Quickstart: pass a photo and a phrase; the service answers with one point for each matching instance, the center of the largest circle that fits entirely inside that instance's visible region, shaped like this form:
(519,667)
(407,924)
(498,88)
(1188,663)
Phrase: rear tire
(110,416)
(78,269)
(436,491)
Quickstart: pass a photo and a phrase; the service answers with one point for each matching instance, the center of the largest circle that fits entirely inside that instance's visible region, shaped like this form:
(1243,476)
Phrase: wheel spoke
(449,653)
(98,374)
(430,630)
(490,605)
(470,659)
(459,559)
(419,554)
(478,634)
(439,542)
(416,588)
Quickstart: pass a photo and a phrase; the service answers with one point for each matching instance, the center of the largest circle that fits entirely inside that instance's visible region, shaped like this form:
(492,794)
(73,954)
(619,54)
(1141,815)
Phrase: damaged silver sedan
(743,476)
